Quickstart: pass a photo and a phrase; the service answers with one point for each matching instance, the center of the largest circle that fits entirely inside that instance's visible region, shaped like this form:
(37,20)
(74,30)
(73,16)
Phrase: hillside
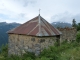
(4,27)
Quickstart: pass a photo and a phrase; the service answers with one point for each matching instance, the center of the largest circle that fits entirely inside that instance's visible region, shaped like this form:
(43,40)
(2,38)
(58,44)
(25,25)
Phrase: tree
(78,26)
(74,23)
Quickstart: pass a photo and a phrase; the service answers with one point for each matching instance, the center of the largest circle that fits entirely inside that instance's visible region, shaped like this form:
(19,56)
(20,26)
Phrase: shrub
(78,37)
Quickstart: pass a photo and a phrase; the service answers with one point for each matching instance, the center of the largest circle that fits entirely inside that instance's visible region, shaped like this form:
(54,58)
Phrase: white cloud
(52,10)
(64,17)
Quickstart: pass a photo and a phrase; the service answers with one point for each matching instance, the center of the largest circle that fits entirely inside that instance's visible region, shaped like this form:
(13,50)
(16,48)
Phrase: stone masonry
(68,34)
(19,44)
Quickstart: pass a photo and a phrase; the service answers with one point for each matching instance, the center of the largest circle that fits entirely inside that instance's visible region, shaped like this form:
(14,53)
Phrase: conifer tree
(74,23)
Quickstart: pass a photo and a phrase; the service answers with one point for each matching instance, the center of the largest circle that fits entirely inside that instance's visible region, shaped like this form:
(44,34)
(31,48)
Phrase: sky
(21,11)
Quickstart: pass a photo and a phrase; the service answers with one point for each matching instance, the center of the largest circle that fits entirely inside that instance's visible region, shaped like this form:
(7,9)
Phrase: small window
(42,40)
(33,39)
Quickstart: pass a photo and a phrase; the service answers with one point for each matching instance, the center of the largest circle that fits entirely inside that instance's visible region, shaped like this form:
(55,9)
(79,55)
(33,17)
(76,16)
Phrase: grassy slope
(71,54)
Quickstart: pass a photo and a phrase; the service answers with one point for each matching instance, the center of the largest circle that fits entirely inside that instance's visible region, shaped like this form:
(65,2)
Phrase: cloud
(77,18)
(66,17)
(52,10)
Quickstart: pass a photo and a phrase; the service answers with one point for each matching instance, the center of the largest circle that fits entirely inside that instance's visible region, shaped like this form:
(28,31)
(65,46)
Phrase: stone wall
(19,44)
(68,34)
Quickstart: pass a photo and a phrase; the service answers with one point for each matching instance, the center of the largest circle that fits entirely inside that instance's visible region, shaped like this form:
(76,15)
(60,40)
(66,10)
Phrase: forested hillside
(4,27)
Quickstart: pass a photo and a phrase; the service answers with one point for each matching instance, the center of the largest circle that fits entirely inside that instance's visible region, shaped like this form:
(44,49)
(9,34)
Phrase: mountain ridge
(61,24)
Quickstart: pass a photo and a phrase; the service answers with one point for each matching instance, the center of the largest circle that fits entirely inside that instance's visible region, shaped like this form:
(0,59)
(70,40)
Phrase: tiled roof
(37,26)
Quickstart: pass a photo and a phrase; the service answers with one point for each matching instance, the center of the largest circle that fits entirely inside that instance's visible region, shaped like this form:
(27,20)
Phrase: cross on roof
(39,11)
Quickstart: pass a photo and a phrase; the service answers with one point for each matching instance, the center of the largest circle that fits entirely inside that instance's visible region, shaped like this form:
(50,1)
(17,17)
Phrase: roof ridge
(39,25)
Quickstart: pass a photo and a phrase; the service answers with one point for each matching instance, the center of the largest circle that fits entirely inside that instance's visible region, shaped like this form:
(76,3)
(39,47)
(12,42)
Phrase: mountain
(4,27)
(61,24)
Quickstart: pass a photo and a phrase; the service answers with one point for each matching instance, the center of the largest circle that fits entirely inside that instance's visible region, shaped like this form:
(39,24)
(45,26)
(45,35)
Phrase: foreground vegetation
(66,51)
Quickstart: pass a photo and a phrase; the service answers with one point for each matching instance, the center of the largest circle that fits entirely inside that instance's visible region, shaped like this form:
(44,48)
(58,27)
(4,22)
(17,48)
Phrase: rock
(37,45)
(37,48)
(26,47)
(30,50)
(23,51)
(37,53)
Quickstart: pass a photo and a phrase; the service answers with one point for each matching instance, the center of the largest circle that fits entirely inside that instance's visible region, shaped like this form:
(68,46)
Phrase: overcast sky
(52,10)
